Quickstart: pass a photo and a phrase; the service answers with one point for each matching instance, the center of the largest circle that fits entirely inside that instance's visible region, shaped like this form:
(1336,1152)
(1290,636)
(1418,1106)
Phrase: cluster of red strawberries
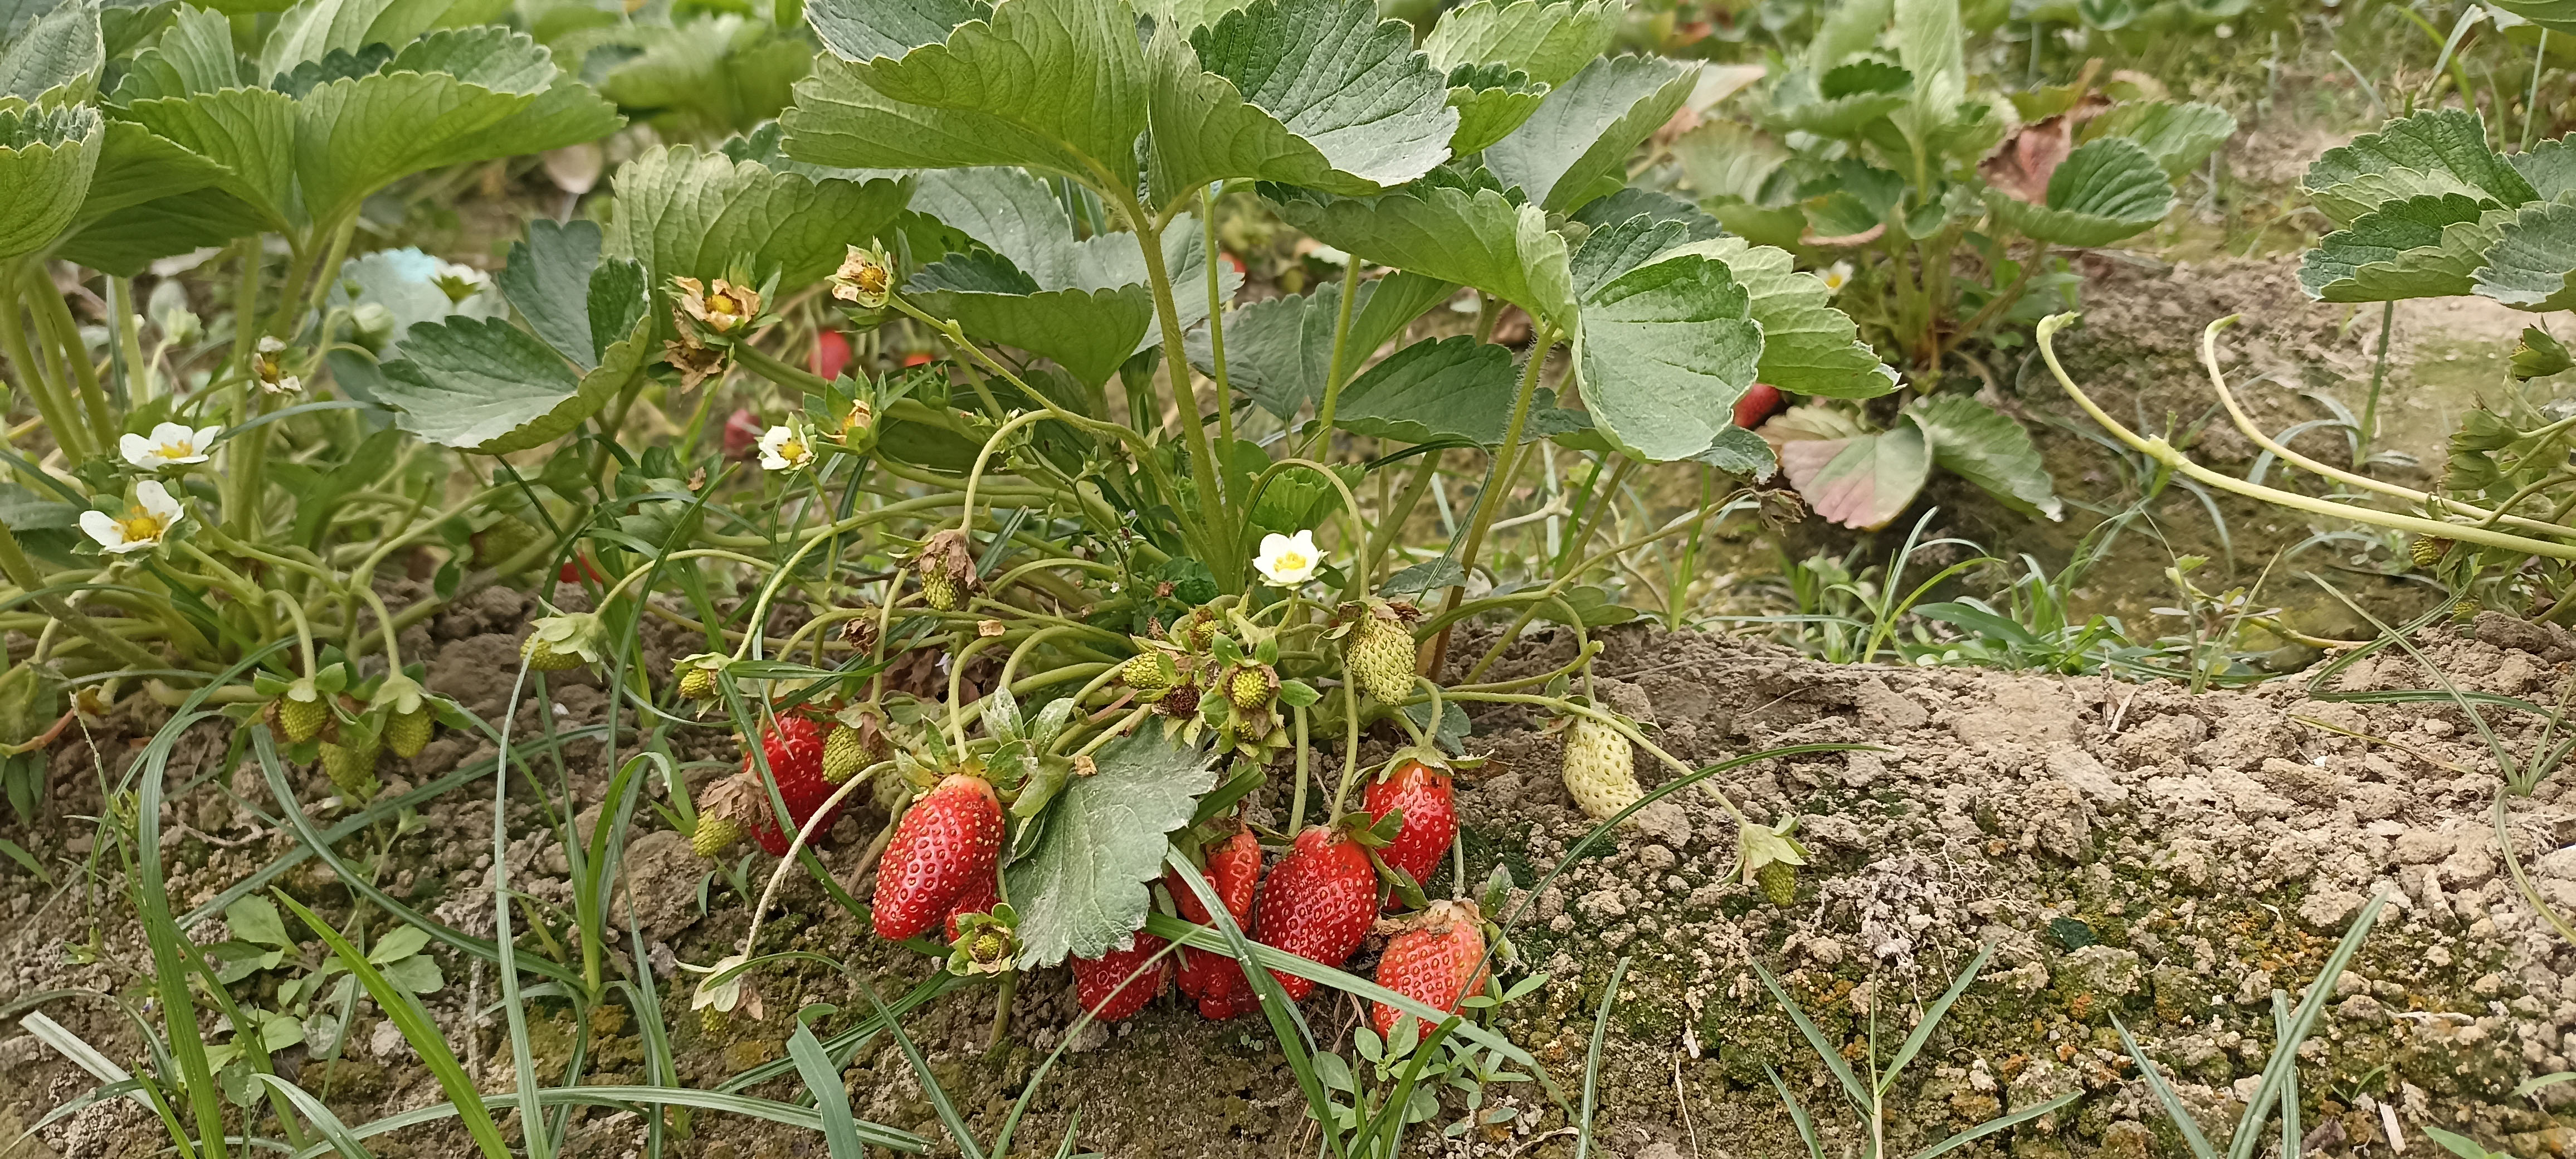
(808,758)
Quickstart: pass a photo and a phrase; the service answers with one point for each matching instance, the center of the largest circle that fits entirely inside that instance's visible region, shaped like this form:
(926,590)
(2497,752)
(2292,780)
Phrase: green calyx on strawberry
(302,706)
(697,674)
(408,714)
(983,941)
(946,842)
(565,641)
(1320,900)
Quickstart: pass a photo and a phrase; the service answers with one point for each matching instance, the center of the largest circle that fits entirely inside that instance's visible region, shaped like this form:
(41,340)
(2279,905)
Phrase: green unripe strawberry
(1381,660)
(504,540)
(406,732)
(1147,672)
(1600,768)
(698,684)
(301,719)
(938,591)
(845,752)
(1249,689)
(352,770)
(713,834)
(1779,881)
(544,657)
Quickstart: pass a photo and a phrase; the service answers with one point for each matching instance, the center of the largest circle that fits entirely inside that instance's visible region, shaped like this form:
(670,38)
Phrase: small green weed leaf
(56,49)
(194,55)
(1575,147)
(1986,447)
(1082,890)
(2178,136)
(1862,480)
(2418,247)
(2436,151)
(684,213)
(1278,351)
(1434,390)
(254,919)
(398,943)
(1314,93)
(1491,100)
(2106,190)
(2533,264)
(1663,354)
(1477,238)
(485,385)
(47,158)
(1550,42)
(1808,346)
(1051,84)
(418,974)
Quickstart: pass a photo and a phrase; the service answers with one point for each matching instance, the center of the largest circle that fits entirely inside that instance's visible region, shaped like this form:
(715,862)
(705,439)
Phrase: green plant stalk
(52,404)
(1391,521)
(1218,535)
(1341,346)
(137,371)
(1216,321)
(1506,464)
(2166,456)
(55,320)
(2378,377)
(21,571)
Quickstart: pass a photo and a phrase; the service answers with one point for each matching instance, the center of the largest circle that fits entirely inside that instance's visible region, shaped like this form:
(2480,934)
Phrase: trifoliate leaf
(1847,99)
(2420,247)
(2533,263)
(61,47)
(47,157)
(1663,353)
(1086,305)
(1478,238)
(1808,346)
(124,242)
(1279,351)
(1052,84)
(867,29)
(1314,93)
(250,132)
(1616,247)
(1862,480)
(1550,42)
(573,301)
(1433,391)
(1727,159)
(354,137)
(2436,151)
(136,165)
(487,386)
(312,29)
(2178,136)
(1575,147)
(1082,890)
(1986,447)
(2104,191)
(683,213)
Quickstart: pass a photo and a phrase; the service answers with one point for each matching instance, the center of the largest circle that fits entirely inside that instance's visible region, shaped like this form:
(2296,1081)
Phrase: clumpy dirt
(2129,850)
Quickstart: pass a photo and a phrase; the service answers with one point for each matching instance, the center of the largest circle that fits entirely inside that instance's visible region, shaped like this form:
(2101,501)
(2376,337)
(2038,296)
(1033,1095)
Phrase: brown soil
(2208,848)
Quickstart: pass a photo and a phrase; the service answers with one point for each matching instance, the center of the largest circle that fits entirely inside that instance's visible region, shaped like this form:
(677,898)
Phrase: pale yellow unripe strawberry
(1381,660)
(1600,768)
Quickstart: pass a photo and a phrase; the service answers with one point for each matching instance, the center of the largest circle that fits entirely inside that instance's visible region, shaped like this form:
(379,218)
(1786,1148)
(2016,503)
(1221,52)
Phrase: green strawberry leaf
(1931,46)
(48,156)
(1492,100)
(1808,346)
(1616,247)
(194,55)
(1725,159)
(1847,100)
(1314,93)
(2178,136)
(249,132)
(576,303)
(1986,447)
(136,166)
(1051,84)
(2554,15)
(1741,453)
(1082,890)
(1477,238)
(2549,166)
(1436,390)
(1663,353)
(1278,351)
(868,30)
(59,48)
(124,242)
(1085,303)
(2420,247)
(683,213)
(2436,151)
(2533,264)
(2106,190)
(313,29)
(484,385)
(1575,147)
(1861,480)
(1550,42)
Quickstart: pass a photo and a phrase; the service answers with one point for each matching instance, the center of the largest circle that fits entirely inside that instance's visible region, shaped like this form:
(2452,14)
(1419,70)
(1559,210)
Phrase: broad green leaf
(486,56)
(1082,890)
(1986,447)
(706,76)
(1614,248)
(487,386)
(1663,353)
(59,48)
(1808,346)
(1279,350)
(868,29)
(337,64)
(1848,99)
(1848,29)
(354,137)
(1009,211)
(312,29)
(405,283)
(2534,259)
(1434,390)
(1550,42)
(2421,247)
(2549,166)
(1728,159)
(2104,191)
(1654,204)
(136,166)
(254,919)
(1741,453)
(1575,147)
(47,158)
(2436,151)
(1476,238)
(1314,93)
(250,132)
(194,55)
(556,282)
(2555,15)
(1930,45)
(124,242)
(683,213)
(1862,480)
(1088,332)
(1491,101)
(1052,84)
(2178,136)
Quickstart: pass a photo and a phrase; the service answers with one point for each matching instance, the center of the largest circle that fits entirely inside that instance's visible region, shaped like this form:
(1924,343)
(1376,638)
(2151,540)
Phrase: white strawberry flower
(142,527)
(1836,276)
(1288,560)
(169,445)
(785,448)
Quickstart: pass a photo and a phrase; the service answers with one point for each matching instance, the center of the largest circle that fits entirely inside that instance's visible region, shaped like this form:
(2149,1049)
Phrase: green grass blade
(930,1088)
(1854,1089)
(1287,1023)
(2174,1110)
(831,1099)
(1932,1018)
(2290,1135)
(1991,1126)
(172,953)
(1592,1059)
(532,1121)
(417,1029)
(2285,1052)
(328,1125)
(624,1098)
(2460,1145)
(1797,1114)
(1073,1122)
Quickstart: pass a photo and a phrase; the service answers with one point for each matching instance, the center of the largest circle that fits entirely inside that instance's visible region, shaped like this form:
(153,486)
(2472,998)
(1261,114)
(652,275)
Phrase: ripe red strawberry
(946,843)
(794,749)
(1430,816)
(1439,961)
(980,897)
(1233,868)
(1111,986)
(831,353)
(742,431)
(1319,903)
(1757,404)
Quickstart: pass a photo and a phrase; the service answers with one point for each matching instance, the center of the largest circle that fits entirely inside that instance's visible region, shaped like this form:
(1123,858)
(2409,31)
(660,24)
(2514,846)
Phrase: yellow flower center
(141,526)
(1290,561)
(175,450)
(793,450)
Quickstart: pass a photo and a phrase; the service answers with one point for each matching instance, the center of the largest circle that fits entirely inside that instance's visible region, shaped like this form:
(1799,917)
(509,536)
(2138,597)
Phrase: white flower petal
(103,527)
(138,450)
(155,499)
